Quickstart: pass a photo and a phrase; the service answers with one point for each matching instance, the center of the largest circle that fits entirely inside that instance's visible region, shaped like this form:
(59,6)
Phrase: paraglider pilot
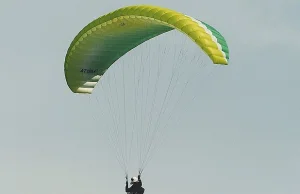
(136,185)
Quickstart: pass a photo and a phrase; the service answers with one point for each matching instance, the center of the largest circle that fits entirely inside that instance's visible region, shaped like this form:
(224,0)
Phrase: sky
(240,135)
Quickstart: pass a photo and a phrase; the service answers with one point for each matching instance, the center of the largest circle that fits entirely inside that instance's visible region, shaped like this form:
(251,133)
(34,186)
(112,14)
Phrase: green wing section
(106,39)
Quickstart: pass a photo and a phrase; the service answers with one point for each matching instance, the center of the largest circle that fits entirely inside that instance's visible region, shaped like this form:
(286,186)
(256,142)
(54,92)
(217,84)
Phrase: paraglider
(136,185)
(106,39)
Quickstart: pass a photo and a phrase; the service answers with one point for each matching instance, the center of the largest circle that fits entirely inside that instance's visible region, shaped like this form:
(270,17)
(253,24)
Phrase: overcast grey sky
(241,138)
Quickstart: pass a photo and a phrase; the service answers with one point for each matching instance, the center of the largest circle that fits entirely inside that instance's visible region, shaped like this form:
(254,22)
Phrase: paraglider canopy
(106,39)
